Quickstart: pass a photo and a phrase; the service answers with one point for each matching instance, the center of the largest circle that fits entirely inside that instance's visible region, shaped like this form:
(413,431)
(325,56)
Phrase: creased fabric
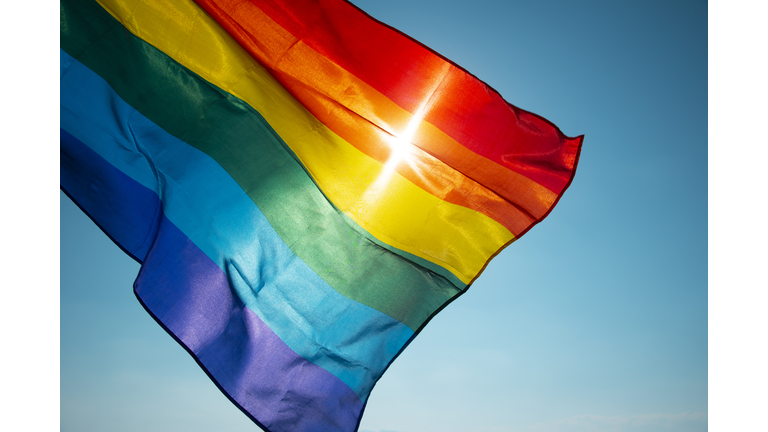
(302,199)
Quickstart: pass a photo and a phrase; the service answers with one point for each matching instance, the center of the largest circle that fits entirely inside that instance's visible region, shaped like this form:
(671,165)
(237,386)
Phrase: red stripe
(468,110)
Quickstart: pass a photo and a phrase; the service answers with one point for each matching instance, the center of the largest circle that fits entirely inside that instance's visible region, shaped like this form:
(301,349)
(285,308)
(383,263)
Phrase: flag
(304,186)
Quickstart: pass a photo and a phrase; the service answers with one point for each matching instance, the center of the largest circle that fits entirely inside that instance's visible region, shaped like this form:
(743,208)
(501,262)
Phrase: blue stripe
(352,341)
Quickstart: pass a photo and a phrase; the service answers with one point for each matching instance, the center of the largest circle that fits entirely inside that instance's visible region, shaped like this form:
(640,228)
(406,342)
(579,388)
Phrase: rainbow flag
(304,186)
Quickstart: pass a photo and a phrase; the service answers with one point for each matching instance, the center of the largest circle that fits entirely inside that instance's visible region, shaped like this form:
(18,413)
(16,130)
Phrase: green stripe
(242,142)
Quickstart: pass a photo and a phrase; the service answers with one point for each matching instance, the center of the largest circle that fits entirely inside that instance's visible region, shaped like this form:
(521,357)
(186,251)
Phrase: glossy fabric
(392,209)
(241,142)
(408,74)
(267,276)
(191,297)
(299,216)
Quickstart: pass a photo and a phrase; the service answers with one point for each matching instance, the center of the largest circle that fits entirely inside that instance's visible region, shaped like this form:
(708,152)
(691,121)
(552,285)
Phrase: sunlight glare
(402,148)
(402,151)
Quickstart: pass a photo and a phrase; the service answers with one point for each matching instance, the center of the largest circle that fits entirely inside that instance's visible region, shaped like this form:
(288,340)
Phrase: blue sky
(596,320)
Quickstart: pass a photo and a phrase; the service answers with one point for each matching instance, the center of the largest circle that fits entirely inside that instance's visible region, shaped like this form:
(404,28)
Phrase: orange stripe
(403,70)
(366,118)
(424,170)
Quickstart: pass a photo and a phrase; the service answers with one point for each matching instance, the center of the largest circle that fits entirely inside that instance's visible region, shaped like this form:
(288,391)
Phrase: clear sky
(596,320)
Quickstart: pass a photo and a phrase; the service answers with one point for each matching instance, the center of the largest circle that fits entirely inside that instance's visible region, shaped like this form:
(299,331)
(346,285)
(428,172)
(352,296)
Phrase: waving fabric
(304,186)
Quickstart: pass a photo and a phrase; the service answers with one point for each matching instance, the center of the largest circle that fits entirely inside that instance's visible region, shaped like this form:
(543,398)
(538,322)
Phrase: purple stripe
(124,209)
(191,297)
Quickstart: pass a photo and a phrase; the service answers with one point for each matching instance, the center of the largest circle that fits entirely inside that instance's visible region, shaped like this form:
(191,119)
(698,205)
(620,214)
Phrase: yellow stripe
(388,206)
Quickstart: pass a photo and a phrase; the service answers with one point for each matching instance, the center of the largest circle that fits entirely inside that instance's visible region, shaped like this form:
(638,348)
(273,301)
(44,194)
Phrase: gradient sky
(596,320)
